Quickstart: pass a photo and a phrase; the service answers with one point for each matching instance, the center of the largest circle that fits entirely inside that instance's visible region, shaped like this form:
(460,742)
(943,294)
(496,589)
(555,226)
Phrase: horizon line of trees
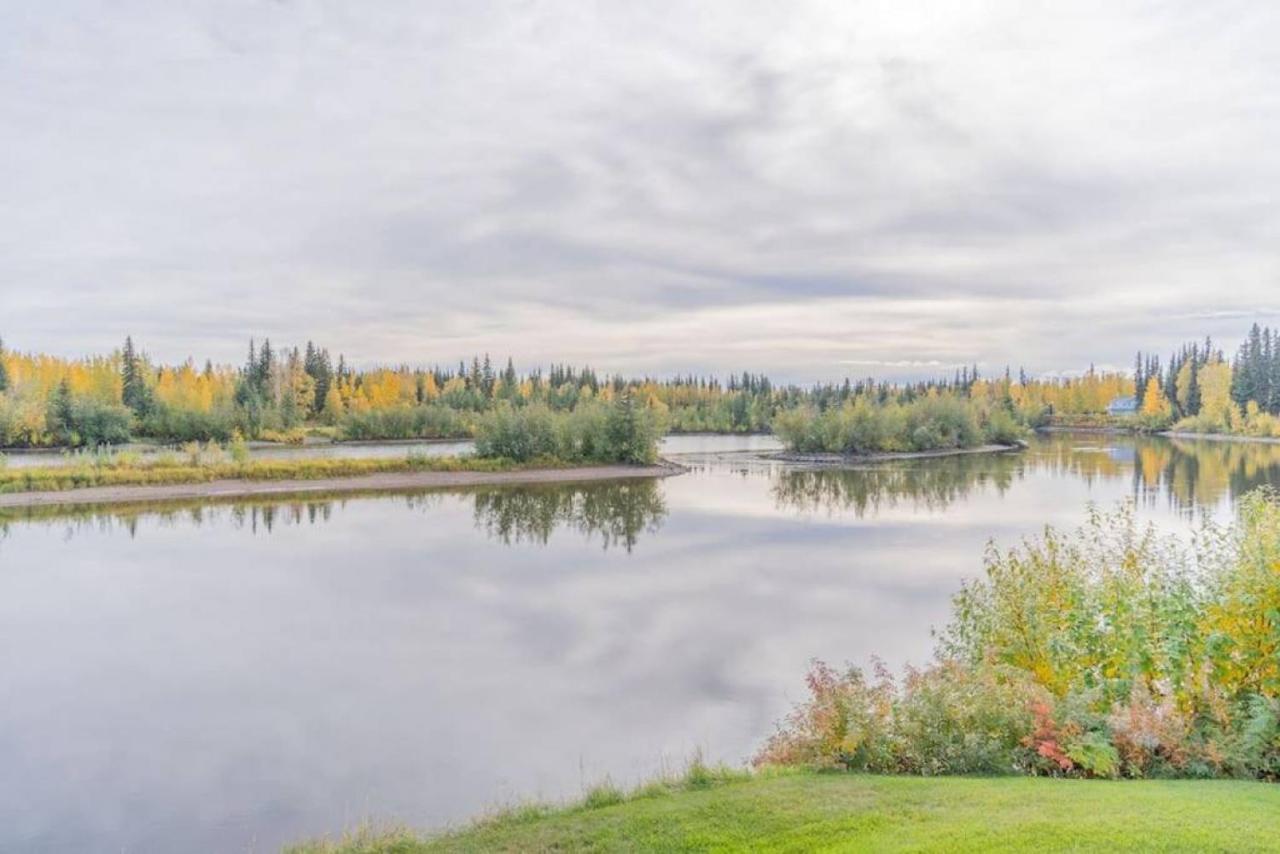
(49,401)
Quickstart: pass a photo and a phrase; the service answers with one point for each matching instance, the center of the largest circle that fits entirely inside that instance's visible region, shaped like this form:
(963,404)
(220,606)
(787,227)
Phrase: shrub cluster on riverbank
(863,425)
(619,432)
(426,421)
(1111,652)
(1250,422)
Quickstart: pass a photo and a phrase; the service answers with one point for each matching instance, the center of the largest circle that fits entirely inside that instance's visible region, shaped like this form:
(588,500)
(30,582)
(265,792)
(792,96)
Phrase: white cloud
(798,188)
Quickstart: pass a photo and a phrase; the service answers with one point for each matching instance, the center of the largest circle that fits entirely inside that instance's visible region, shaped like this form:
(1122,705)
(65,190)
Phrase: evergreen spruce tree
(60,415)
(1170,389)
(4,370)
(244,384)
(1246,380)
(487,379)
(262,376)
(1193,394)
(1267,388)
(1139,378)
(630,435)
(251,366)
(134,391)
(318,367)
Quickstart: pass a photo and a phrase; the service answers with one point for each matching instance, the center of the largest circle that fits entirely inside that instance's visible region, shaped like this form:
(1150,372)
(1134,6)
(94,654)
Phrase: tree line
(281,393)
(1198,389)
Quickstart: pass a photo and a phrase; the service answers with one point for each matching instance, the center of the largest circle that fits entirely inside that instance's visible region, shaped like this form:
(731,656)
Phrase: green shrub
(952,719)
(618,432)
(188,425)
(864,426)
(237,448)
(1147,422)
(1002,428)
(429,421)
(1094,755)
(632,433)
(86,422)
(525,434)
(944,719)
(1108,652)
(288,436)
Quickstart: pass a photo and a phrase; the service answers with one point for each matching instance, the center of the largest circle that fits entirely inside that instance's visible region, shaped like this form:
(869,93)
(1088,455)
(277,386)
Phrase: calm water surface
(232,677)
(365,450)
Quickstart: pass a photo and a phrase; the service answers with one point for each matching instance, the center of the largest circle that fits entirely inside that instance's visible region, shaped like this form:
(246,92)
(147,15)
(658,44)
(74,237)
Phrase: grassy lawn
(837,812)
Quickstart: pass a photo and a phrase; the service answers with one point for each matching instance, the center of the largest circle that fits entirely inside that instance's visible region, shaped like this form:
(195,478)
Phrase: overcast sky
(807,189)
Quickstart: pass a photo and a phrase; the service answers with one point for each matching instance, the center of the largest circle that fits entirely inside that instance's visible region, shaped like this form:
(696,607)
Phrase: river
(231,677)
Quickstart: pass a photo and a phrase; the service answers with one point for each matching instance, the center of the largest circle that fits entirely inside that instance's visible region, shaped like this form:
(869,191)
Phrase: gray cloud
(799,188)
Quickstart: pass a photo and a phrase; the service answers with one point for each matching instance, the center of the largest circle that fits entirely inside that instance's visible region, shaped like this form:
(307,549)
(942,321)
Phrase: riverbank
(1102,431)
(807,811)
(1166,434)
(826,459)
(1220,437)
(337,477)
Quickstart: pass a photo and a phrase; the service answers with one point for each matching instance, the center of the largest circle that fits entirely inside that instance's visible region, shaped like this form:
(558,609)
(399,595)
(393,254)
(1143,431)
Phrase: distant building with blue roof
(1123,406)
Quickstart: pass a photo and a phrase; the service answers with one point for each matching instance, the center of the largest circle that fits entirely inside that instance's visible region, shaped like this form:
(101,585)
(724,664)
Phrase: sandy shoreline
(384,482)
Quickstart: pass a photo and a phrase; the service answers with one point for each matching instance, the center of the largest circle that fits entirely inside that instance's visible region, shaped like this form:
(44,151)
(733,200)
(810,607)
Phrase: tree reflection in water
(933,484)
(618,513)
(1189,474)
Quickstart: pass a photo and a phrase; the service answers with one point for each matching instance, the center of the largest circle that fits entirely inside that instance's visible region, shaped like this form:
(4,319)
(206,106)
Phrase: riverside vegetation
(931,422)
(287,394)
(595,433)
(1111,652)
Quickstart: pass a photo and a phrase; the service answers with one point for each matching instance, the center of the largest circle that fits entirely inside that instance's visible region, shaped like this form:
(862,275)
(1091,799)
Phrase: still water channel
(231,677)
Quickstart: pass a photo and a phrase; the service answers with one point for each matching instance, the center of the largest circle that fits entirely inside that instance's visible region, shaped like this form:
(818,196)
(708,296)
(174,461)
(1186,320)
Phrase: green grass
(803,811)
(173,469)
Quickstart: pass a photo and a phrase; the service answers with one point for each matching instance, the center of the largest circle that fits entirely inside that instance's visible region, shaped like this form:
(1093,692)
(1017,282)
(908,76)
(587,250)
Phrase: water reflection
(931,484)
(166,689)
(257,515)
(1186,475)
(615,513)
